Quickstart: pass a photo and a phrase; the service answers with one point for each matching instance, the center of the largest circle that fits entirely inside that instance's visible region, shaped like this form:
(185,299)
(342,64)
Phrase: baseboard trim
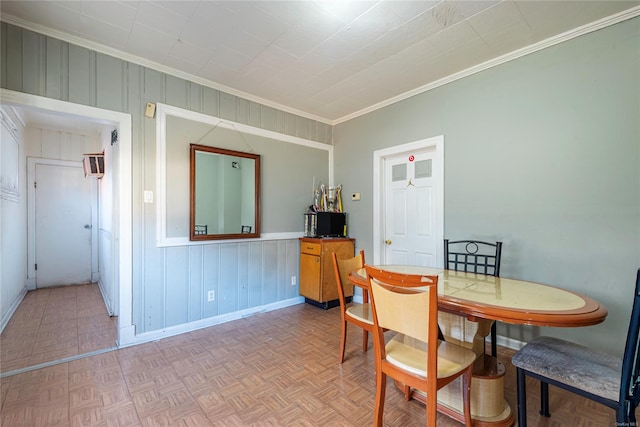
(210,321)
(510,343)
(104,298)
(12,309)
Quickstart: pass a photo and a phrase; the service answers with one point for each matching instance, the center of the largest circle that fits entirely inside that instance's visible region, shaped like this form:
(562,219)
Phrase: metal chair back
(473,256)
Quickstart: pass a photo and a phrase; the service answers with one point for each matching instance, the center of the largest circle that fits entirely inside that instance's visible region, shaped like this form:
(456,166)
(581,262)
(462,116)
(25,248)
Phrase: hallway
(56,323)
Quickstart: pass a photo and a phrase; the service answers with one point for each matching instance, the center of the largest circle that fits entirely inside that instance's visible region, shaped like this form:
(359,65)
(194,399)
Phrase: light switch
(148,196)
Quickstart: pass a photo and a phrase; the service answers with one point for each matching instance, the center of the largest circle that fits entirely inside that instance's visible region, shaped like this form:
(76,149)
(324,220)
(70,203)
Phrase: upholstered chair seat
(577,366)
(590,373)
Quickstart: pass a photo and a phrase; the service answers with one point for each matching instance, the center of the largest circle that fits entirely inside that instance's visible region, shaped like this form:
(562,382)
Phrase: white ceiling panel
(502,27)
(147,41)
(189,53)
(104,32)
(116,13)
(325,59)
(163,19)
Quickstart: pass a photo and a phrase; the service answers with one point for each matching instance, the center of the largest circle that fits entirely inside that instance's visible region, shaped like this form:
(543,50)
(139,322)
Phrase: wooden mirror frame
(255,233)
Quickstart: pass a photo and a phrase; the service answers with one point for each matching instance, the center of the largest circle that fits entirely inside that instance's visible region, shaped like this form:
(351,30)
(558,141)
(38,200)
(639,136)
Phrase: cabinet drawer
(310,248)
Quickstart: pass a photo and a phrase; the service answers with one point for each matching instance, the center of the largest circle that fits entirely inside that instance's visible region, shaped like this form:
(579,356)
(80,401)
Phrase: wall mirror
(224,193)
(277,197)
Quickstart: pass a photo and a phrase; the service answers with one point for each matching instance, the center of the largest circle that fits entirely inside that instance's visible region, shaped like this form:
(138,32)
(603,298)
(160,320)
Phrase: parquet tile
(273,369)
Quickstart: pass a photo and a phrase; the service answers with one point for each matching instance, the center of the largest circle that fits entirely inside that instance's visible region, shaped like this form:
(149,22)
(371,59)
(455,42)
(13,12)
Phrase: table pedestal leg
(488,406)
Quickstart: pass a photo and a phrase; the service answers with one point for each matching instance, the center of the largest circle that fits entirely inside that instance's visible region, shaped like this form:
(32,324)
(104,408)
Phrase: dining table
(480,300)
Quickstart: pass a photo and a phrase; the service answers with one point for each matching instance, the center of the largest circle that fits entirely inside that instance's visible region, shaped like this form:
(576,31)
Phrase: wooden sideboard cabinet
(317,278)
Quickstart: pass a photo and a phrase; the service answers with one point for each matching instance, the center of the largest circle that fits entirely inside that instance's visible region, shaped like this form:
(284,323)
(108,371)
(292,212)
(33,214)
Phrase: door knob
(87,226)
(387,242)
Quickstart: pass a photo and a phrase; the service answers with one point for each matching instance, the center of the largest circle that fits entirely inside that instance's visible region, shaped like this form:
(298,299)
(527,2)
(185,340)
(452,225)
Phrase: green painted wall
(543,153)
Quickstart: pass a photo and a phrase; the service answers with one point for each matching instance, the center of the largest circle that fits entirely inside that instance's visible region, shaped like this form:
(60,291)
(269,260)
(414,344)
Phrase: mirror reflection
(224,193)
(280,157)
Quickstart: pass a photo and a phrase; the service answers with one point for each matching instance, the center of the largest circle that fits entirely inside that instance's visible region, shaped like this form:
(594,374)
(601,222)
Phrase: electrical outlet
(294,280)
(211,296)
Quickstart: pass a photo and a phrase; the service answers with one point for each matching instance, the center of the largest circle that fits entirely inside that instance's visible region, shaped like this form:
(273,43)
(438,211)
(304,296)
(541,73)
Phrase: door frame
(122,217)
(380,157)
(32,164)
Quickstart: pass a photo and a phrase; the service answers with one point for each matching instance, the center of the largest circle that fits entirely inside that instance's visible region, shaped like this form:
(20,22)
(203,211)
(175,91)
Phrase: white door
(62,225)
(410,194)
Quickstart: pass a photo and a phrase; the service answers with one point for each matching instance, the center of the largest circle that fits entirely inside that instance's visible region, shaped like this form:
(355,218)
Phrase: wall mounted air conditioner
(93,165)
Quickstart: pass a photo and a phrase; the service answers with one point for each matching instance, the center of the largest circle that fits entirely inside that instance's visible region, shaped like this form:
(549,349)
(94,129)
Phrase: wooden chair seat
(361,312)
(410,354)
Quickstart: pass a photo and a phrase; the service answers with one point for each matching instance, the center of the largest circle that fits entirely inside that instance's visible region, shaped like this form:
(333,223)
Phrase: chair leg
(494,339)
(407,392)
(466,396)
(631,414)
(431,405)
(626,414)
(343,341)
(381,386)
(621,416)
(522,397)
(365,340)
(544,399)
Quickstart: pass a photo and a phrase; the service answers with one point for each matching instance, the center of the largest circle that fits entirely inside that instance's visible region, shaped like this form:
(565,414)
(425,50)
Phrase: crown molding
(552,41)
(78,41)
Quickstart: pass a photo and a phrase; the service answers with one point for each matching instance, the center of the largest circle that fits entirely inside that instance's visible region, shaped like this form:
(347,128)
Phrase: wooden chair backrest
(399,306)
(342,268)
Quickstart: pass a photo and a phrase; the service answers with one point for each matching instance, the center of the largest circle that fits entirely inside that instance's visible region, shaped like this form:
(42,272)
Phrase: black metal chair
(596,375)
(475,256)
(200,230)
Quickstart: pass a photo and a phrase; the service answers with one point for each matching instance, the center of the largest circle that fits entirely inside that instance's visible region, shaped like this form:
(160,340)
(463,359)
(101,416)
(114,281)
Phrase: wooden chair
(357,314)
(475,256)
(596,375)
(414,356)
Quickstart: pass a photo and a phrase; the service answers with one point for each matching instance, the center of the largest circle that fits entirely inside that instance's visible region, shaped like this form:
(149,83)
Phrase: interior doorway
(120,247)
(63,203)
(408,218)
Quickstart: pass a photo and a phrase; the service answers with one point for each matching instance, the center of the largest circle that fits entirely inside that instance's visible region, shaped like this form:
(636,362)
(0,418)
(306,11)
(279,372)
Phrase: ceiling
(326,60)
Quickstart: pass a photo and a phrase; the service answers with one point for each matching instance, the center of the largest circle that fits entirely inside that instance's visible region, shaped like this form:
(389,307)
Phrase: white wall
(106,247)
(13,218)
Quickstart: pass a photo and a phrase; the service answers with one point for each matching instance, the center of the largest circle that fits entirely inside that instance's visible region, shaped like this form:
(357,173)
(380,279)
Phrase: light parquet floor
(56,323)
(273,369)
